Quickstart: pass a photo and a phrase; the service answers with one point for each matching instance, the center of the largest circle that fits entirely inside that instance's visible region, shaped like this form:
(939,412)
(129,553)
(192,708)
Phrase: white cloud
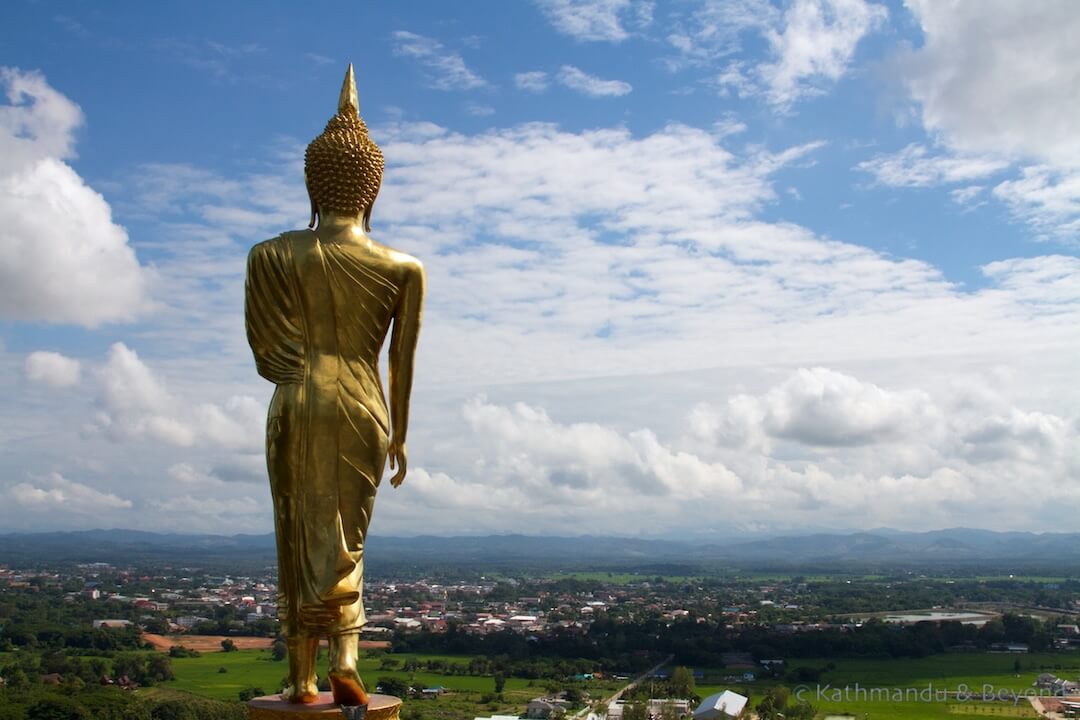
(54,492)
(582,82)
(733,79)
(811,44)
(59,240)
(526,463)
(602,255)
(916,166)
(1000,80)
(830,445)
(135,403)
(447,69)
(1051,282)
(715,28)
(597,20)
(824,407)
(199,512)
(535,81)
(1047,198)
(1000,77)
(965,195)
(52,368)
(815,41)
(38,122)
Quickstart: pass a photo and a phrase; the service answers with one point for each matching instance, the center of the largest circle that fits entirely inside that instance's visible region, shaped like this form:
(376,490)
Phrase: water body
(967,618)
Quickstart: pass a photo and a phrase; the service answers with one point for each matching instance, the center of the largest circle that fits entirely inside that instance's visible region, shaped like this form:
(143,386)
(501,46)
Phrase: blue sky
(810,261)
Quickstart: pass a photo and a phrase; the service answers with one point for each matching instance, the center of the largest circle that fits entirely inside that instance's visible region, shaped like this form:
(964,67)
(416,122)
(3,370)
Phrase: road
(629,686)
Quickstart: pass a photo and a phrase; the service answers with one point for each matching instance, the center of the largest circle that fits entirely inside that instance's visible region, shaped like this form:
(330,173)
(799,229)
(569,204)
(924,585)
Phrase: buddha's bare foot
(306,692)
(348,688)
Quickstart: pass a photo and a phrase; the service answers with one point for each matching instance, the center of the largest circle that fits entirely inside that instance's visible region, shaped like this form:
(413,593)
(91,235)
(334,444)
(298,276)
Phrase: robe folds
(316,316)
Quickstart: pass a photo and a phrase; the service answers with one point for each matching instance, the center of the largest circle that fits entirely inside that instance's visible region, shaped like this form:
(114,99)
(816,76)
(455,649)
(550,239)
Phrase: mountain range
(956,547)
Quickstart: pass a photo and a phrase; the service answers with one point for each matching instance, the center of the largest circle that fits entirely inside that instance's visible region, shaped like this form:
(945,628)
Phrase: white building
(721,706)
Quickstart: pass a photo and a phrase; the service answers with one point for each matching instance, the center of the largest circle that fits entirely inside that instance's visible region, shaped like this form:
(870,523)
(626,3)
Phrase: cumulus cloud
(59,242)
(999,77)
(586,84)
(135,403)
(52,368)
(598,20)
(630,254)
(821,407)
(54,492)
(997,81)
(836,446)
(447,69)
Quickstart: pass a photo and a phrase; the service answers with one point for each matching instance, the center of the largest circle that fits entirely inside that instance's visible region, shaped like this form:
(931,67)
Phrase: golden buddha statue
(319,304)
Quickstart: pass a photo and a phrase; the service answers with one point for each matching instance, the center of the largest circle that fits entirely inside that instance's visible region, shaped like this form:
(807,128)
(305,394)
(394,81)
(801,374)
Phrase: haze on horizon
(694,268)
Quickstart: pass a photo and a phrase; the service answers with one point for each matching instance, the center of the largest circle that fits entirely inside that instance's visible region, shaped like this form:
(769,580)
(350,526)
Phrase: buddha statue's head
(343,167)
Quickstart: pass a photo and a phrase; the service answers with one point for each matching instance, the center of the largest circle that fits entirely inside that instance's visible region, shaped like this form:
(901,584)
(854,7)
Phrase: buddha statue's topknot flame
(343,165)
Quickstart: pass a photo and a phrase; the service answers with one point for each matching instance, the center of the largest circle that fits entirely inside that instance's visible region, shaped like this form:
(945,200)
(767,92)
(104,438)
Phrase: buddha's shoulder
(283,243)
(400,262)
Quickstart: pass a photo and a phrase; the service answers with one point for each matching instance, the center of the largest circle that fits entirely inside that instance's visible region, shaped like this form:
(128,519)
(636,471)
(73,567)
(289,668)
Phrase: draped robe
(317,314)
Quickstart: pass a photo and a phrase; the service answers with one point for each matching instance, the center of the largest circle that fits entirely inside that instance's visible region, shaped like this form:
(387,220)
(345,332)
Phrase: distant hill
(884,548)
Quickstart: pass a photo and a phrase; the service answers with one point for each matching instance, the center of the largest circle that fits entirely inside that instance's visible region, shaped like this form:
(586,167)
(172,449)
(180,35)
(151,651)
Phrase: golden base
(272,707)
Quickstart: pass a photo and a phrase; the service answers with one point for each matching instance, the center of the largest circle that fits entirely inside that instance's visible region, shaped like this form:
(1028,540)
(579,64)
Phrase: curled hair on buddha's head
(343,166)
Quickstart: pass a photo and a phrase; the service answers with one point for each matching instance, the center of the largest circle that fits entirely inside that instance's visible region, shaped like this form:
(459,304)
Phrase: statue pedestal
(272,707)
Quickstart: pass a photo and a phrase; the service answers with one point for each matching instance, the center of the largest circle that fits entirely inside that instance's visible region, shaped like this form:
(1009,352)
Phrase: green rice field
(879,680)
(255,668)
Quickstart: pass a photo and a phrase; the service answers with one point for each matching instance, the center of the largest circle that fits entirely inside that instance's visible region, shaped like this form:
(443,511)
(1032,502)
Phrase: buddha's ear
(367,217)
(314,207)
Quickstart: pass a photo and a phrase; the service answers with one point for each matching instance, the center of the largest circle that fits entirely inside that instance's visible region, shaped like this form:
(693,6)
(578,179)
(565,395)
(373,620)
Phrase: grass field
(255,668)
(971,673)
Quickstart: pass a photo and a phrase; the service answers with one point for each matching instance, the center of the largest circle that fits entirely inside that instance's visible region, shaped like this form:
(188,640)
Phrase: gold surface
(343,167)
(273,707)
(319,304)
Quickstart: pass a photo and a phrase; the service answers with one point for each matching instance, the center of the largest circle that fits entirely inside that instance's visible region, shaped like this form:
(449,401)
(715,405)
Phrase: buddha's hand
(399,456)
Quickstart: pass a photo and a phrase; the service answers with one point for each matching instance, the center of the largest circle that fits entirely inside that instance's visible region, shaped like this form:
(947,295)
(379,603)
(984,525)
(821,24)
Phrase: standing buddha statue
(319,305)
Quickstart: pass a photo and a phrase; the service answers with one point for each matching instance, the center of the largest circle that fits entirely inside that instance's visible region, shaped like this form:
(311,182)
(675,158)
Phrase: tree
(393,686)
(279,650)
(17,679)
(682,682)
(250,693)
(159,667)
(635,711)
(179,651)
(56,708)
(500,683)
(228,645)
(774,704)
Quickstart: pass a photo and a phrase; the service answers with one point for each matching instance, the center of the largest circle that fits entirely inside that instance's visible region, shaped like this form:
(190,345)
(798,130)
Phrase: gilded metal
(319,305)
